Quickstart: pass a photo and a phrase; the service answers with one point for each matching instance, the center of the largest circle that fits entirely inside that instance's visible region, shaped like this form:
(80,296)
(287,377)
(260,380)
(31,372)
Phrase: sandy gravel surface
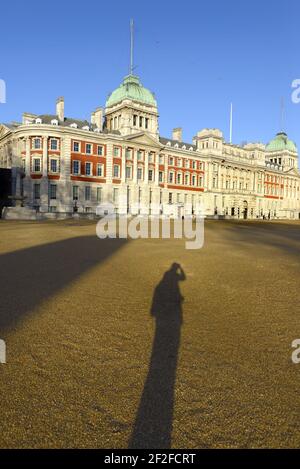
(93,360)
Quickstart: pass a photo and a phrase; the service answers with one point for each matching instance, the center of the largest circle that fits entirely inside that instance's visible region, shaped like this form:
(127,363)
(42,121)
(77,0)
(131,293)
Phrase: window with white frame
(76,167)
(193,180)
(99,170)
(52,191)
(75,192)
(37,165)
(36,191)
(139,155)
(150,175)
(170,198)
(87,192)
(160,176)
(187,179)
(115,195)
(53,144)
(171,161)
(100,150)
(171,177)
(37,143)
(128,172)
(88,148)
(116,171)
(76,147)
(116,151)
(179,178)
(53,165)
(88,168)
(139,173)
(99,194)
(128,154)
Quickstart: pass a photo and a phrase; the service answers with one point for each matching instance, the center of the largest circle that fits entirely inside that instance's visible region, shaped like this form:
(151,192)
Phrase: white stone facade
(119,158)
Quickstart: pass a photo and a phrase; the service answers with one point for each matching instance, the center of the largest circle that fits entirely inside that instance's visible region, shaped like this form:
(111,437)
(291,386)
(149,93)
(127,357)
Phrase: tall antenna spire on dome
(282,115)
(230,123)
(131,46)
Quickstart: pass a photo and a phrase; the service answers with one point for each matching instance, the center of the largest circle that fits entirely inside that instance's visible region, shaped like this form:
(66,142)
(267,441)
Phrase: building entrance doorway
(245,212)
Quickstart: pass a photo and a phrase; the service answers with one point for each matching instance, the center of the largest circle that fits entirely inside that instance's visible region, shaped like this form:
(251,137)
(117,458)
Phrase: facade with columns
(119,157)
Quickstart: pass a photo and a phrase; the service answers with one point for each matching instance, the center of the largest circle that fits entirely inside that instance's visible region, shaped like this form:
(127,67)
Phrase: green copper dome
(281,143)
(131,88)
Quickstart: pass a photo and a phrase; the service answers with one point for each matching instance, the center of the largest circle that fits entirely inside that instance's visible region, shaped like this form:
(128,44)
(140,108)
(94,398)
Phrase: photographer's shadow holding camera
(153,424)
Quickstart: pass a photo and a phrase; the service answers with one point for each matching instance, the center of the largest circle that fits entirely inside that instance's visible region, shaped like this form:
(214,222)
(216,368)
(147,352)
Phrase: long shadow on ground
(31,275)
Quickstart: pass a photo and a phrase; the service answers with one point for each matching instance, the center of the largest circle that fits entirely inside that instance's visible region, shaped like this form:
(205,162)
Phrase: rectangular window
(187,179)
(141,121)
(37,165)
(170,198)
(171,161)
(87,192)
(135,119)
(179,178)
(160,176)
(37,143)
(88,169)
(99,150)
(128,172)
(140,155)
(99,170)
(139,173)
(53,166)
(128,154)
(88,148)
(76,167)
(52,191)
(75,192)
(171,177)
(116,151)
(116,170)
(76,147)
(53,144)
(115,195)
(36,191)
(146,123)
(193,180)
(150,175)
(99,194)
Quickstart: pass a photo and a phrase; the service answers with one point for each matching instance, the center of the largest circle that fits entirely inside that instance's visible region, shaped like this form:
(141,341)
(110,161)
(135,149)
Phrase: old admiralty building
(68,165)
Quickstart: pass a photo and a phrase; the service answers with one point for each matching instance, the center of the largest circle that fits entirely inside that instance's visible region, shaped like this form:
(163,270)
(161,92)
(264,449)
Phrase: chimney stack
(177,134)
(60,108)
(97,118)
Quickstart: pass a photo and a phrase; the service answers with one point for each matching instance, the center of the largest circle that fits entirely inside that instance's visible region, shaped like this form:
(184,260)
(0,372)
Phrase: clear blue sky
(195,55)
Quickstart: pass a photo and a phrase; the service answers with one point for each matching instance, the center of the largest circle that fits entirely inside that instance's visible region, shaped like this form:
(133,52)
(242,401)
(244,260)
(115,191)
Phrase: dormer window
(176,145)
(74,125)
(191,148)
(184,147)
(38,120)
(54,122)
(86,127)
(169,144)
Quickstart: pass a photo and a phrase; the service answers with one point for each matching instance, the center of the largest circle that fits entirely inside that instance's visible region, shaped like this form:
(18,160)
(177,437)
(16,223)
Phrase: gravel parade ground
(141,343)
